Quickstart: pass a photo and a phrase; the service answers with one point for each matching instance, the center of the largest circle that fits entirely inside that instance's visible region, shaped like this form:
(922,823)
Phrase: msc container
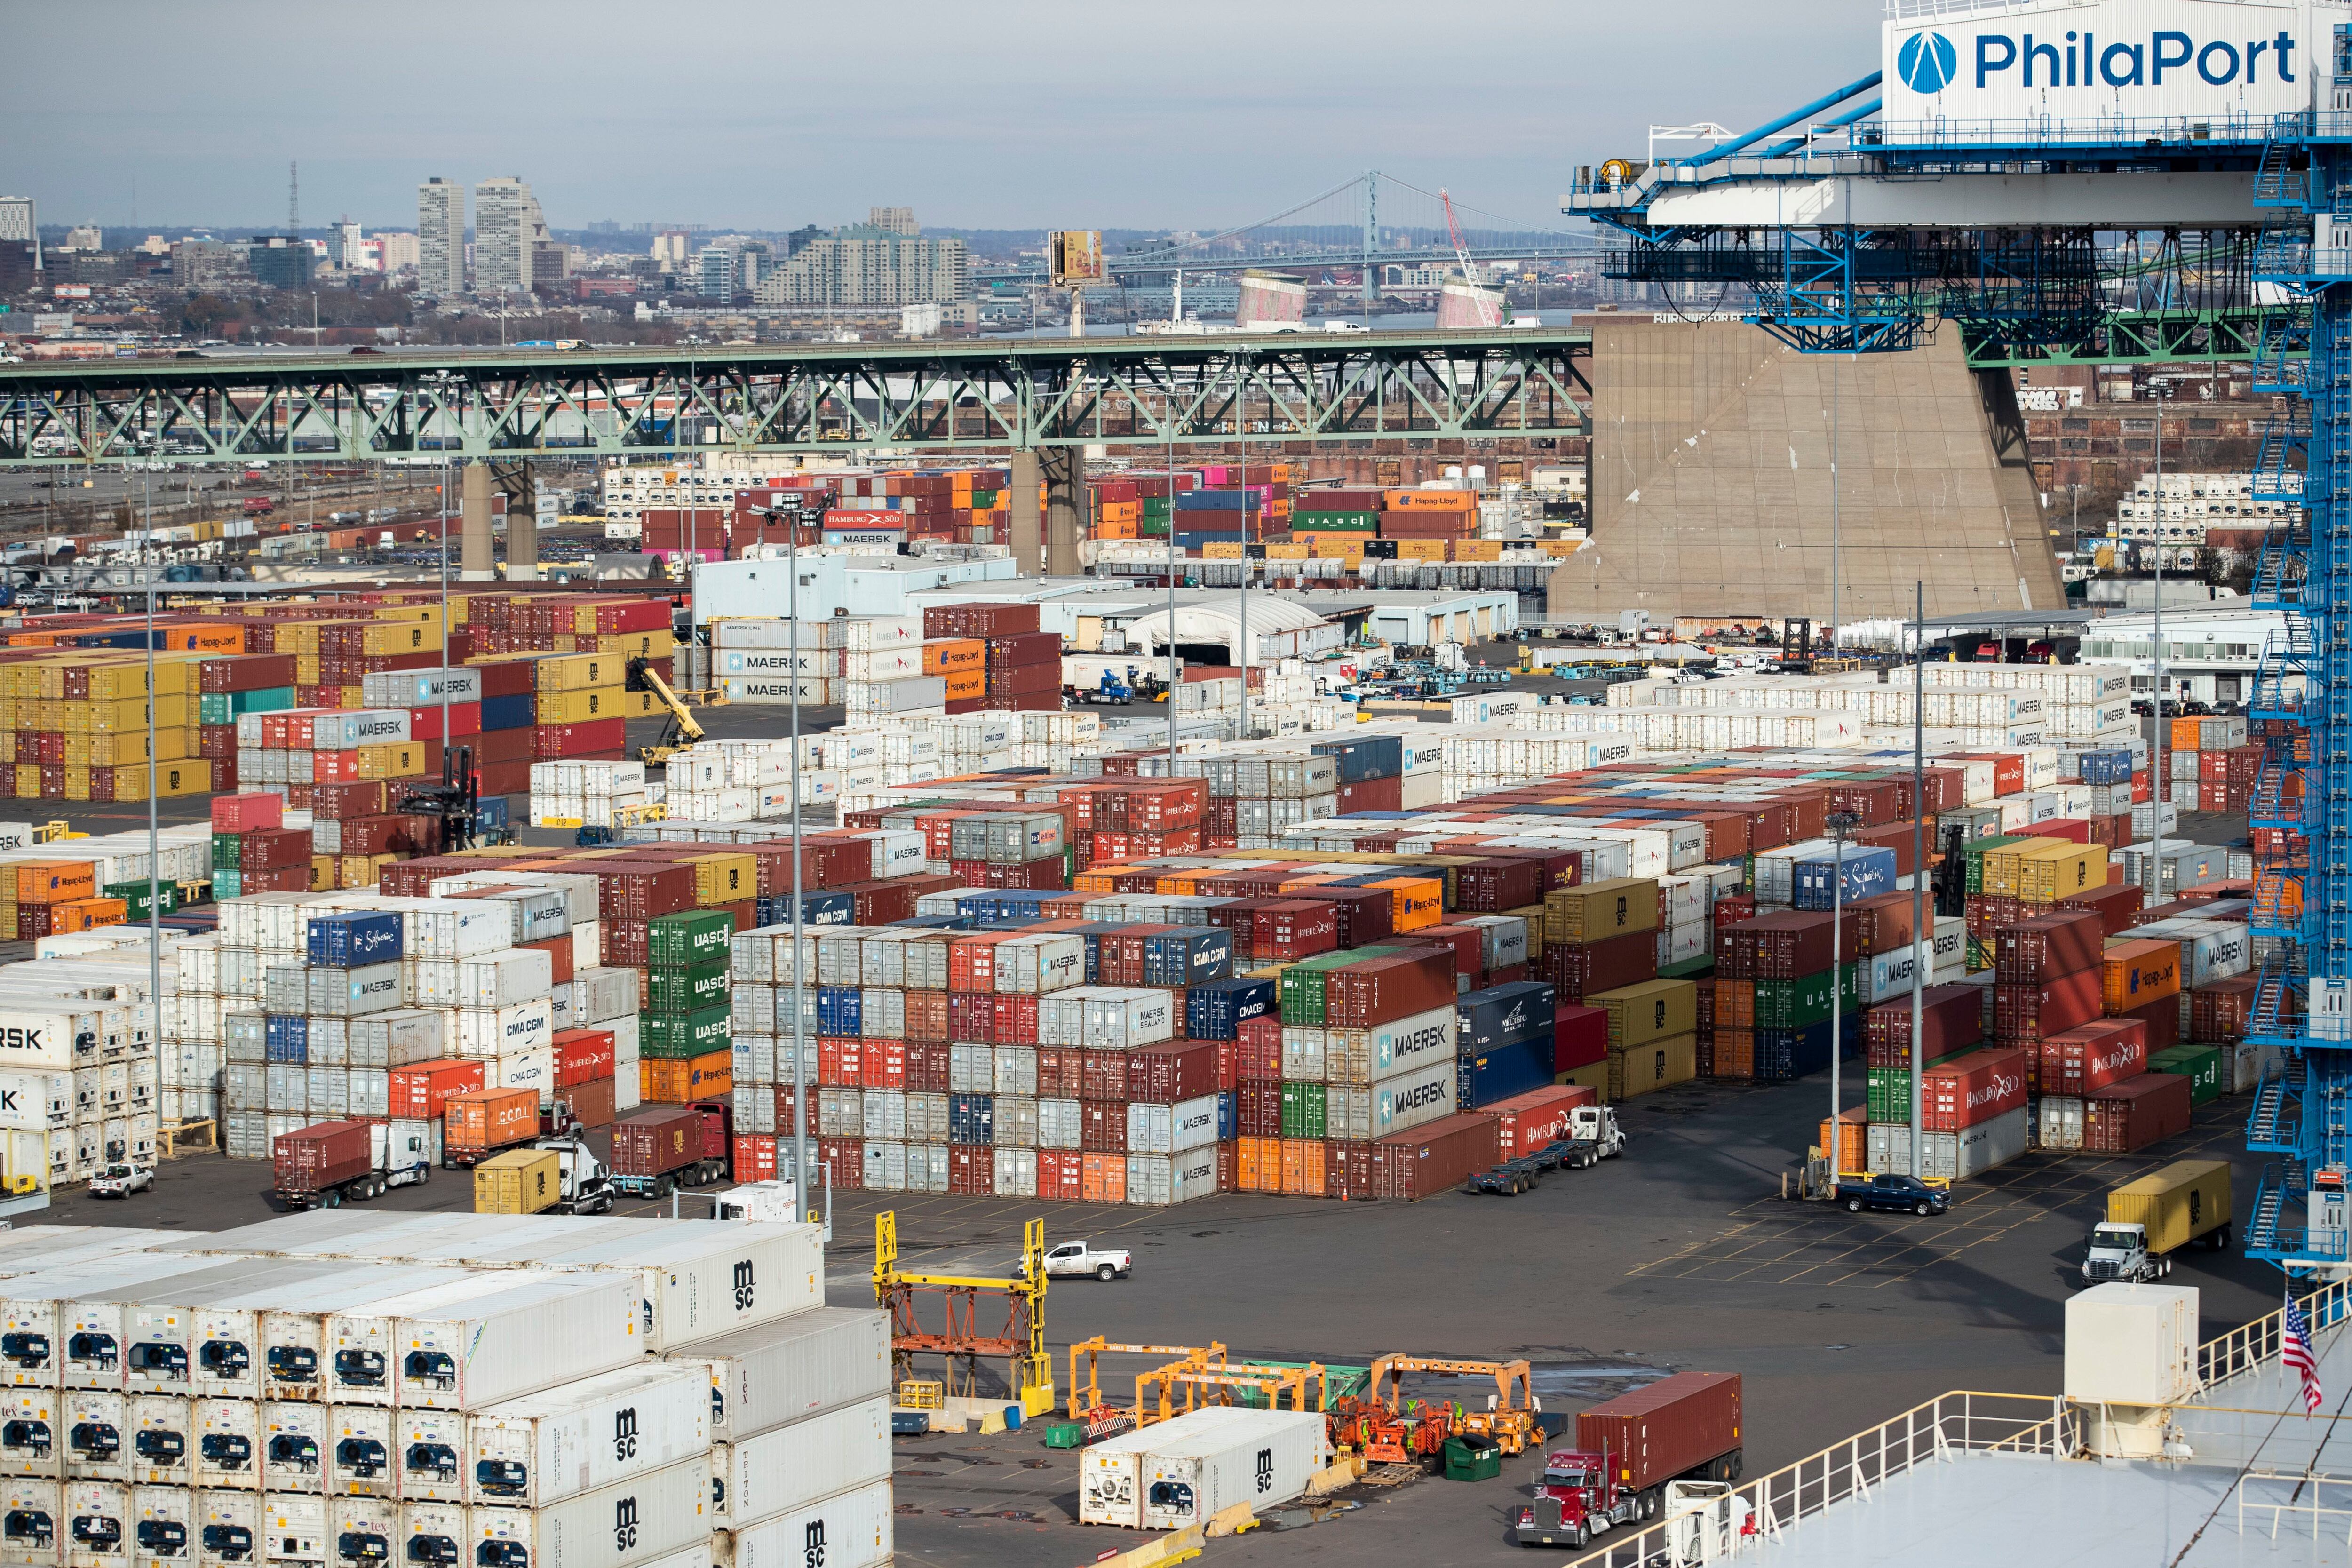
(549,1331)
(1435,1158)
(792,1466)
(1656,1009)
(797,1367)
(544,1448)
(1184,1472)
(630,1521)
(1674,1427)
(847,1530)
(707,1278)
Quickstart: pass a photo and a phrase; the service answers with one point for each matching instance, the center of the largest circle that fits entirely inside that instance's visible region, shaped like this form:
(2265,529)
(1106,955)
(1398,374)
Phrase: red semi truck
(1683,1427)
(323,1165)
(665,1147)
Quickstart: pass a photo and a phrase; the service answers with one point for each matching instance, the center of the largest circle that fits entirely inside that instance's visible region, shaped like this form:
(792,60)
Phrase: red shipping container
(2024,1014)
(1165,1076)
(2131,1115)
(583,1055)
(971,1170)
(883,1065)
(1015,1020)
(1347,1170)
(1977,1087)
(1102,1126)
(1365,915)
(1294,929)
(1257,1108)
(926,1067)
(592,1103)
(2218,1013)
(274,848)
(1580,970)
(344,802)
(1060,1175)
(1881,924)
(1580,1037)
(754,1157)
(2047,946)
(1381,990)
(2162,1019)
(844,1161)
(929,1015)
(971,1018)
(417,1093)
(1490,886)
(2093,1055)
(1951,1018)
(305,1163)
(1526,1123)
(246,812)
(1433,1159)
(1259,1053)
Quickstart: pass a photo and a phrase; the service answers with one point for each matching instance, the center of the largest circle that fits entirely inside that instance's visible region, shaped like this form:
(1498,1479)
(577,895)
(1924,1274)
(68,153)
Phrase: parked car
(121,1181)
(1895,1193)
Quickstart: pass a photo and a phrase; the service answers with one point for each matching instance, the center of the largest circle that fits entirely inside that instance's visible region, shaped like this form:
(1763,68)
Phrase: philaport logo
(1927,62)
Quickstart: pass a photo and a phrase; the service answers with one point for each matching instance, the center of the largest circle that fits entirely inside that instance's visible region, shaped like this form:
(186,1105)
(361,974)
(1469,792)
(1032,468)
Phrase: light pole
(1840,823)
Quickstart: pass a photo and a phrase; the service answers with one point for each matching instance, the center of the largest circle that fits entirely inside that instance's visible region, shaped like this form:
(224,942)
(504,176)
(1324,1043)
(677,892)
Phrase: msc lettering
(2086,64)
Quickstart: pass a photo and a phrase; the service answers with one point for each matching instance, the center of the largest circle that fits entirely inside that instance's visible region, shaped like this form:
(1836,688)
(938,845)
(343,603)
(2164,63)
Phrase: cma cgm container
(1184,1472)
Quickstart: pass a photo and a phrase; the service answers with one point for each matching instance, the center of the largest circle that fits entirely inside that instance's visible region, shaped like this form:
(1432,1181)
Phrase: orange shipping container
(1258,1165)
(953,655)
(1853,1135)
(1302,1167)
(2134,973)
(1102,1178)
(670,1080)
(1414,901)
(86,914)
(1429,500)
(55,881)
(967,685)
(490,1118)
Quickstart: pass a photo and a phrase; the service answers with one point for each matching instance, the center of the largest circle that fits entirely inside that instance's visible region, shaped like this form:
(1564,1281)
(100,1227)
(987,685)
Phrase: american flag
(2295,1351)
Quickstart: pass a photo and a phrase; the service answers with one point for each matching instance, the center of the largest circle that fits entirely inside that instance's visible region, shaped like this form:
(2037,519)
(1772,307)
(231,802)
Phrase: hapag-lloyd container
(538,1333)
(1184,1472)
(615,1526)
(712,1279)
(546,1447)
(850,1530)
(792,1466)
(789,1370)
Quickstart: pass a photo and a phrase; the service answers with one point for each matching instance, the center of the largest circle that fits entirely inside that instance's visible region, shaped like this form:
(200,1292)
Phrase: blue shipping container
(492,810)
(1783,1055)
(506,713)
(1373,757)
(2107,767)
(1217,1010)
(1216,501)
(838,1009)
(1229,1117)
(1188,957)
(931,923)
(972,1118)
(286,1037)
(1867,871)
(1499,1074)
(349,941)
(1504,1016)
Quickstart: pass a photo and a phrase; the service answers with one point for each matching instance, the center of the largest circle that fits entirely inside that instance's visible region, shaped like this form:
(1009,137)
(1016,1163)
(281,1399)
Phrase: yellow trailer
(2153,1218)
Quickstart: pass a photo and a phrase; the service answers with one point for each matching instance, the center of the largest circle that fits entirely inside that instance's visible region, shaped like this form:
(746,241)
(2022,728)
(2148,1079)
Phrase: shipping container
(848,1530)
(793,1466)
(1182,1472)
(1676,1426)
(582,1435)
(473,1354)
(630,1521)
(798,1366)
(1435,1158)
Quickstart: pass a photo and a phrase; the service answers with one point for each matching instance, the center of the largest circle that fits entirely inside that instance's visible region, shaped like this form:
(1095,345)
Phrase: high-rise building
(669,249)
(507,227)
(279,261)
(84,236)
(343,246)
(893,220)
(18,226)
(441,237)
(866,265)
(397,252)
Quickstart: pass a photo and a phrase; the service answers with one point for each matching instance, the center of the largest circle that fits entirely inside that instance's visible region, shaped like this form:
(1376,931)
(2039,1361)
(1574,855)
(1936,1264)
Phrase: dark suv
(1893,1193)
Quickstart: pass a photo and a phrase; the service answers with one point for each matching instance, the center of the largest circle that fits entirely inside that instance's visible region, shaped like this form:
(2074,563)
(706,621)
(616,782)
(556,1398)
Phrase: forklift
(680,731)
(1797,645)
(456,804)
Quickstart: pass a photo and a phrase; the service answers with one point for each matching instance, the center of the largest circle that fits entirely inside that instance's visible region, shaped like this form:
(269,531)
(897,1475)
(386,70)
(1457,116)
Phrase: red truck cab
(1683,1427)
(1575,1498)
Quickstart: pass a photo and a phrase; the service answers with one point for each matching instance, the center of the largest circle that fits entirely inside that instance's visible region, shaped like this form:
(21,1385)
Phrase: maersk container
(355,939)
(1171,1129)
(1482,1078)
(792,1369)
(597,1432)
(349,993)
(1380,1051)
(1034,966)
(1158,1180)
(1125,1018)
(712,1277)
(1412,1098)
(1957,1156)
(629,1521)
(848,1530)
(1184,1472)
(791,1466)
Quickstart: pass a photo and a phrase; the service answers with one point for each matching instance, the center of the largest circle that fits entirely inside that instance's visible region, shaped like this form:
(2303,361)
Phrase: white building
(343,247)
(396,252)
(440,237)
(84,236)
(870,265)
(2213,650)
(18,224)
(507,226)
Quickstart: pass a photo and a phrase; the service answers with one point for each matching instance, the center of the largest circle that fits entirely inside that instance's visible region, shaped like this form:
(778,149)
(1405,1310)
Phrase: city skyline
(1501,112)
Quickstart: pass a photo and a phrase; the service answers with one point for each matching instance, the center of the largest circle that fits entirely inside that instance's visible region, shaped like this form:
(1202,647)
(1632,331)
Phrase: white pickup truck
(1078,1258)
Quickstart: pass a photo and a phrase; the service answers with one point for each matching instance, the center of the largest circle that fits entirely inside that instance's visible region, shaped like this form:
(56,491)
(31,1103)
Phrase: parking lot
(1680,1254)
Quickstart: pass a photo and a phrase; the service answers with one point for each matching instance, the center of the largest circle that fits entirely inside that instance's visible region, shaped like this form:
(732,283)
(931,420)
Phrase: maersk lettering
(19,1039)
(1415,1098)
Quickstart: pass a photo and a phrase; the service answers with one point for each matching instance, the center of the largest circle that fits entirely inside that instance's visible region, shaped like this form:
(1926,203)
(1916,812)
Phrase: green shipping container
(135,894)
(1334,522)
(2206,1068)
(1889,1090)
(228,884)
(1688,969)
(228,848)
(1301,986)
(685,940)
(1305,1109)
(680,1035)
(1153,527)
(687,990)
(1793,1003)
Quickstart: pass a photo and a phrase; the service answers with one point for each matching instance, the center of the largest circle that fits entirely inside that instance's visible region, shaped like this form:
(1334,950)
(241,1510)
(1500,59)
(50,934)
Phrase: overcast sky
(750,112)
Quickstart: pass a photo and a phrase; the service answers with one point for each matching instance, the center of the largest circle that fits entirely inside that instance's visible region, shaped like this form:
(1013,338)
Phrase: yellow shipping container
(578,672)
(114,718)
(725,878)
(2060,870)
(173,780)
(520,1180)
(76,783)
(1534,915)
(1657,1063)
(410,610)
(1595,1076)
(1651,1010)
(305,669)
(1477,550)
(579,705)
(324,876)
(361,870)
(1419,549)
(1216,550)
(1292,551)
(28,785)
(121,750)
(2186,1199)
(1598,910)
(396,759)
(657,647)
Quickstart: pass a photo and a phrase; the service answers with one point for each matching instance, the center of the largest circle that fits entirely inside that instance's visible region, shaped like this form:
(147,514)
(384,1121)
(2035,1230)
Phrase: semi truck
(663,1148)
(1683,1427)
(330,1163)
(2150,1219)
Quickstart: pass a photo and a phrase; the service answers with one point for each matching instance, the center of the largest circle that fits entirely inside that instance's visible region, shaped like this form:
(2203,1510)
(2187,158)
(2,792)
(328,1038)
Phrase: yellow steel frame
(1086,1394)
(894,1292)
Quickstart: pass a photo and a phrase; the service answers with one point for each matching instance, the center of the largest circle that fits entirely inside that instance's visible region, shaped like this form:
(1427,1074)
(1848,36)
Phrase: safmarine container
(544,1448)
(850,1530)
(1862,871)
(791,1466)
(1184,1472)
(629,1521)
(351,940)
(789,1370)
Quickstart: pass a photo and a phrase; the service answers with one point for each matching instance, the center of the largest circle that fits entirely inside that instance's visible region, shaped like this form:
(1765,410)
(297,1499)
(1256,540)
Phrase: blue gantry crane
(2035,173)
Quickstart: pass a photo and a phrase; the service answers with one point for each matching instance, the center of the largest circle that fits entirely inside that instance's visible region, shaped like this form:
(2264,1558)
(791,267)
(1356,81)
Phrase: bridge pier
(477,564)
(1045,539)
